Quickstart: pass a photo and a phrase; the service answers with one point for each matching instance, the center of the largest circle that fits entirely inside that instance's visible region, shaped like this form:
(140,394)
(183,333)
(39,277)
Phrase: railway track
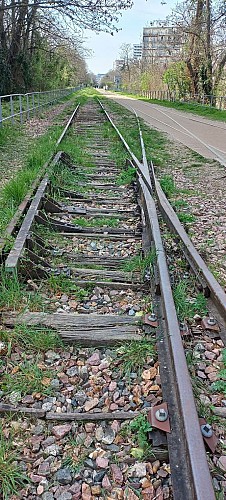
(90,245)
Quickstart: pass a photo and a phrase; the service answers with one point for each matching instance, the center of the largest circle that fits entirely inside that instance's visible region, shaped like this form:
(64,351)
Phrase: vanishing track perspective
(94,344)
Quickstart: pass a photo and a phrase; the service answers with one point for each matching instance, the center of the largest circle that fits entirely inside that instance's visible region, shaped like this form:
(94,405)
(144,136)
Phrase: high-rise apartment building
(161,45)
(137,51)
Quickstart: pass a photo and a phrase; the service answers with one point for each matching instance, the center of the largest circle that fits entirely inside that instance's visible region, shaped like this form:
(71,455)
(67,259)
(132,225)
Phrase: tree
(32,29)
(202,26)
(177,78)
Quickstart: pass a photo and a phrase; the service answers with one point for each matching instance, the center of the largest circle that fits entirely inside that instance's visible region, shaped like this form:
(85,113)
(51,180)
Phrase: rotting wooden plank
(113,275)
(114,285)
(105,236)
(103,337)
(34,412)
(68,320)
(16,252)
(116,415)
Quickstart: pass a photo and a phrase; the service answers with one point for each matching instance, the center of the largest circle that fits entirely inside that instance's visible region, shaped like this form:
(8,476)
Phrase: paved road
(205,136)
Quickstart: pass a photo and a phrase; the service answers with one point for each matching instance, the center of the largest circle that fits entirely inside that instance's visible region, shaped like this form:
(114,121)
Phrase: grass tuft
(133,356)
(11,477)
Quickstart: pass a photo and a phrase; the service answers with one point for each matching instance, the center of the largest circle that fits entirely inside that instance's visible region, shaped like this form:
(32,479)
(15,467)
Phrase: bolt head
(152,317)
(211,321)
(206,430)
(161,415)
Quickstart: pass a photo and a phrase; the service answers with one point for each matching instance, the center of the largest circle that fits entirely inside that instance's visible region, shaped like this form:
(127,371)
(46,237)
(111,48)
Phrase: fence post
(12,110)
(33,102)
(0,112)
(21,110)
(28,109)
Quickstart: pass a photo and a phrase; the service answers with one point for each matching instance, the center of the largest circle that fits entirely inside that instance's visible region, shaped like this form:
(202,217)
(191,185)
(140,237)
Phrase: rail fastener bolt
(152,317)
(211,321)
(161,415)
(206,430)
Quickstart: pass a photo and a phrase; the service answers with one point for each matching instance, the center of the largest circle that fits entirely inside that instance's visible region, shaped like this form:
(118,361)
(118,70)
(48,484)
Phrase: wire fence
(16,108)
(218,102)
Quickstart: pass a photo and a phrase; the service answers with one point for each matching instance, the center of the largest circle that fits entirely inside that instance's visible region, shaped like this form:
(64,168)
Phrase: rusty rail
(196,483)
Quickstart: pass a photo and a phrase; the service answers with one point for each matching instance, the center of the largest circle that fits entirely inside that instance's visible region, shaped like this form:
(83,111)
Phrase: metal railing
(218,102)
(19,107)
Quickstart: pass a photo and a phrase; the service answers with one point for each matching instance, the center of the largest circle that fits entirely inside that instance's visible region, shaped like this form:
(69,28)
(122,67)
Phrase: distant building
(99,77)
(161,45)
(118,64)
(137,51)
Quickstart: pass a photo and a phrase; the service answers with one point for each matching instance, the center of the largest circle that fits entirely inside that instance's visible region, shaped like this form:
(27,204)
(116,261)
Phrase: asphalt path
(206,137)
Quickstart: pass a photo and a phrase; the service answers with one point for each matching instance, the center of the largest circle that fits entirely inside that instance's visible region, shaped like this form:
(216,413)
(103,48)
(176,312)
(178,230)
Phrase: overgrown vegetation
(14,296)
(11,477)
(220,385)
(63,284)
(168,185)
(141,264)
(96,221)
(127,176)
(26,378)
(133,356)
(30,338)
(186,305)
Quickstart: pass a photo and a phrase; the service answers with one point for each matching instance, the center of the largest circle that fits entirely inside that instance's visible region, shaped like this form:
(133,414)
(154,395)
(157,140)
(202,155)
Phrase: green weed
(63,284)
(11,477)
(187,307)
(30,338)
(177,204)
(127,176)
(133,356)
(186,218)
(13,294)
(96,222)
(139,263)
(220,385)
(27,379)
(168,185)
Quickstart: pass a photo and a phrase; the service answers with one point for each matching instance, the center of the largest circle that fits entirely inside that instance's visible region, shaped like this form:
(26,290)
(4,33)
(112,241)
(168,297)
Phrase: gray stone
(71,372)
(47,406)
(66,495)
(15,397)
(98,476)
(80,397)
(47,496)
(84,373)
(38,430)
(63,476)
(131,312)
(55,383)
(89,463)
(53,450)
(64,298)
(109,435)
(52,356)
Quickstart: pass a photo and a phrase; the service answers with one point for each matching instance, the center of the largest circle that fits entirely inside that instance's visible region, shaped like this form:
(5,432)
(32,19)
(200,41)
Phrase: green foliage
(138,263)
(126,177)
(27,379)
(140,426)
(63,284)
(96,222)
(30,338)
(133,356)
(168,185)
(11,477)
(177,78)
(13,294)
(185,306)
(186,218)
(220,385)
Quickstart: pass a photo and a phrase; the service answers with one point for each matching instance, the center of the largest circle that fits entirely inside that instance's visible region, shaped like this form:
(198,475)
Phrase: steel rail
(196,467)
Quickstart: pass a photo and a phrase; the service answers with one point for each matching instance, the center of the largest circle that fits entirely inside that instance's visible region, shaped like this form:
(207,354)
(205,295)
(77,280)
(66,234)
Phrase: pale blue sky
(106,48)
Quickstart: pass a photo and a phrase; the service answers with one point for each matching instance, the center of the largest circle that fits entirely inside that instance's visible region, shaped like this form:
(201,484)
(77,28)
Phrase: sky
(106,48)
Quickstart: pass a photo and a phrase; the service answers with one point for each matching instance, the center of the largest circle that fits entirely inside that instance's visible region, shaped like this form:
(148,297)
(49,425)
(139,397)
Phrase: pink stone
(40,489)
(112,386)
(212,376)
(113,407)
(115,425)
(222,462)
(94,360)
(201,374)
(116,474)
(89,405)
(86,492)
(102,462)
(106,483)
(131,495)
(210,355)
(61,430)
(35,478)
(89,427)
(210,369)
